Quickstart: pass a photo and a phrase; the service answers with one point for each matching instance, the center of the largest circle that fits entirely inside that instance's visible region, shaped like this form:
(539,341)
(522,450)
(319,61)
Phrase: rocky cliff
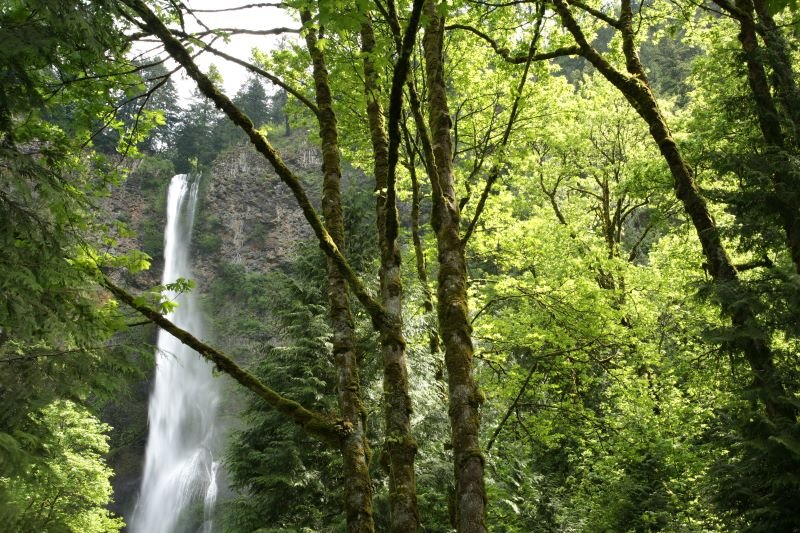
(247,216)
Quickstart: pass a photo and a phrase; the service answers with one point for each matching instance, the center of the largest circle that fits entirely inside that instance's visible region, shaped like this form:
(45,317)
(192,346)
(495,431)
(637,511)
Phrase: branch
(732,9)
(261,72)
(426,154)
(239,8)
(614,23)
(395,110)
(496,5)
(242,31)
(552,197)
(109,116)
(513,405)
(152,23)
(419,254)
(390,15)
(33,357)
(85,77)
(635,248)
(315,423)
(626,84)
(766,262)
(498,166)
(521,58)
(525,384)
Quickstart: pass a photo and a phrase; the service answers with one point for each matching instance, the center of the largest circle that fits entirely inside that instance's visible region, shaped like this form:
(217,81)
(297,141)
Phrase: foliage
(63,70)
(67,487)
(756,473)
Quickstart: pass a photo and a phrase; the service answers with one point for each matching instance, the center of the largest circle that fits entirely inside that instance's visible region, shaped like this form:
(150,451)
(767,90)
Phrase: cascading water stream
(180,470)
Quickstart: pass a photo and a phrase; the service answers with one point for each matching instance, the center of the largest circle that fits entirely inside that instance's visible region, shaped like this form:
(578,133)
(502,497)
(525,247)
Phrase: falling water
(179,487)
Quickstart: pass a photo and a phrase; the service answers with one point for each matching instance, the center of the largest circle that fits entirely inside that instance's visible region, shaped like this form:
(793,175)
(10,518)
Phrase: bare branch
(261,72)
(512,406)
(635,248)
(243,31)
(614,23)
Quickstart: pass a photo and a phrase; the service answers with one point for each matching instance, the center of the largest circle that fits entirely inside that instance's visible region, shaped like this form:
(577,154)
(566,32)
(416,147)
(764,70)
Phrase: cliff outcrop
(247,216)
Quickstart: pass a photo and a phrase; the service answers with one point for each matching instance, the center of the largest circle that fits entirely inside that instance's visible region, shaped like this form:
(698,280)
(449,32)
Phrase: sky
(239,45)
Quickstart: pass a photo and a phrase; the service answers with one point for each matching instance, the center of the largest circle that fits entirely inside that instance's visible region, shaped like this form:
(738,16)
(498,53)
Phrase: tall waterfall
(179,486)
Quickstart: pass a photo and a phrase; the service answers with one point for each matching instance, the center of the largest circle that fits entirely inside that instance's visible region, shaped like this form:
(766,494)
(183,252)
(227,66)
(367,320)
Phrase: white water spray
(179,486)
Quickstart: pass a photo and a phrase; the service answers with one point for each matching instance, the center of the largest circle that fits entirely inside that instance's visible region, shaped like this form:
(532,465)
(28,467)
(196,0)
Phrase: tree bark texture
(452,305)
(399,445)
(419,253)
(634,86)
(358,487)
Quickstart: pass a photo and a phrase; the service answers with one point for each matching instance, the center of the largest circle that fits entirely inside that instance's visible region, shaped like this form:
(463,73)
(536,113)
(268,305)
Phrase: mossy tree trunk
(452,305)
(779,57)
(399,445)
(358,487)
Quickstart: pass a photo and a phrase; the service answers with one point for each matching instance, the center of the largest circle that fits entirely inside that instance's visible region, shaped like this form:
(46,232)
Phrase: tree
(252,99)
(194,140)
(285,478)
(358,499)
(54,323)
(633,84)
(67,488)
(749,163)
(146,114)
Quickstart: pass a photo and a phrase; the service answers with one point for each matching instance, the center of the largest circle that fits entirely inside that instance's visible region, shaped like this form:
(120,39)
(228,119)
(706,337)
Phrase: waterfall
(179,486)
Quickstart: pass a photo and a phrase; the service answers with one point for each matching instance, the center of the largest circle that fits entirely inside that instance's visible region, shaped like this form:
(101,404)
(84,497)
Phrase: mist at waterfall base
(179,486)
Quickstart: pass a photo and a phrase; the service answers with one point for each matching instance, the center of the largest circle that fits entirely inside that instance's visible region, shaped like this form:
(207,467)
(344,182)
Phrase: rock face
(247,215)
(140,209)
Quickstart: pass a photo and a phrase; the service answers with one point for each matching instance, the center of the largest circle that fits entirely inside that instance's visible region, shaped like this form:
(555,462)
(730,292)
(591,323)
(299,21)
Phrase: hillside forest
(467,265)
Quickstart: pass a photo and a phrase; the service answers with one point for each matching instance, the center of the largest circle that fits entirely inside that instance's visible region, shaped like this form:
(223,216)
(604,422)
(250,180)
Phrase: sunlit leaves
(67,488)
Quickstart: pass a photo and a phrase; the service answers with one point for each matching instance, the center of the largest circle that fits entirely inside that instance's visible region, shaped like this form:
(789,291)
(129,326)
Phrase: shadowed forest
(461,266)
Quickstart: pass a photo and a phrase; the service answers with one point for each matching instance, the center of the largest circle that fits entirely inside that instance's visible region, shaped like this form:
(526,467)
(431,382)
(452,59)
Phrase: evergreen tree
(194,139)
(284,478)
(568,242)
(252,99)
(60,65)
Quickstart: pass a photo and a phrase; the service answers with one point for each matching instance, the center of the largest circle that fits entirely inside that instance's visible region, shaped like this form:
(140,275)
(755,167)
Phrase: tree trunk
(419,252)
(769,120)
(452,306)
(779,58)
(399,445)
(358,487)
